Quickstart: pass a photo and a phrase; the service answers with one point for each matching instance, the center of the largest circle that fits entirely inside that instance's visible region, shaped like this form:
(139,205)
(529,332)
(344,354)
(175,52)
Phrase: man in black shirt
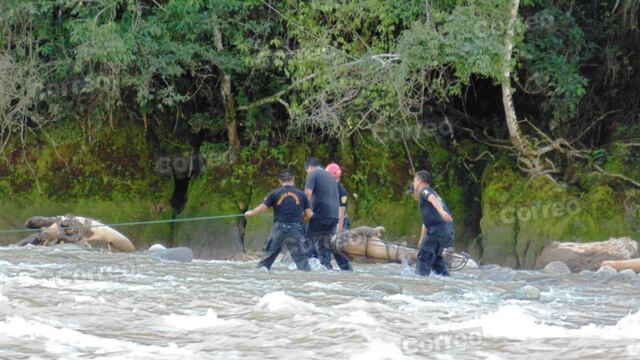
(322,190)
(437,226)
(290,206)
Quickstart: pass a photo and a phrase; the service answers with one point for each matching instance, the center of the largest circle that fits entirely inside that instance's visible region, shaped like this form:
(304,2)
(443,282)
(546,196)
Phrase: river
(66,304)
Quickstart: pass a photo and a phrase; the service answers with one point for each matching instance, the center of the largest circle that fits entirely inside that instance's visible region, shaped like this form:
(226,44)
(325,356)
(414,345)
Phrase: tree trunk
(519,142)
(230,113)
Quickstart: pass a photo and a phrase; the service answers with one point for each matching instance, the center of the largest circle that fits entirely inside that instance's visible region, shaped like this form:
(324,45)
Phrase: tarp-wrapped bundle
(366,243)
(74,229)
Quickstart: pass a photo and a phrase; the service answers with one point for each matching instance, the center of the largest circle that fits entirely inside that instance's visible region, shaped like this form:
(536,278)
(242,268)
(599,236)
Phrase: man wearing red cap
(343,219)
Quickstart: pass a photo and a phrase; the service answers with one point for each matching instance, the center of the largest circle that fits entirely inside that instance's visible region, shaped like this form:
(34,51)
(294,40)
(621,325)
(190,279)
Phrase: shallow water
(83,305)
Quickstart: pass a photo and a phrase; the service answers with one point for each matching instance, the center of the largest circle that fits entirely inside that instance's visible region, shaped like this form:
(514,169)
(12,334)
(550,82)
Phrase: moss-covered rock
(521,215)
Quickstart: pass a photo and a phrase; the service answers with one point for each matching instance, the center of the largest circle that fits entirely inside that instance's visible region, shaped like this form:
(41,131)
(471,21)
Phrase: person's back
(322,189)
(288,203)
(324,198)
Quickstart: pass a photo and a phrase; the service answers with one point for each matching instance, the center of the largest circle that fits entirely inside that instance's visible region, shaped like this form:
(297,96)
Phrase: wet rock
(497,274)
(386,287)
(606,271)
(581,256)
(628,274)
(557,268)
(587,272)
(528,292)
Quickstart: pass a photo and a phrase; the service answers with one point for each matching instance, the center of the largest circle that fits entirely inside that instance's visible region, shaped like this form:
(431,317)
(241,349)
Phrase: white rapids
(91,305)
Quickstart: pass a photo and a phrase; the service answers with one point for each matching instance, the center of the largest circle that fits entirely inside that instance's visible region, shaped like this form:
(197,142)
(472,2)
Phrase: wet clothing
(431,216)
(324,201)
(438,238)
(288,203)
(440,235)
(290,234)
(319,234)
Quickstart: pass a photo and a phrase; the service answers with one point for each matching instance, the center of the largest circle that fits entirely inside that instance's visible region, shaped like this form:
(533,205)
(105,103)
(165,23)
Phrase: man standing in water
(343,219)
(290,206)
(437,226)
(322,190)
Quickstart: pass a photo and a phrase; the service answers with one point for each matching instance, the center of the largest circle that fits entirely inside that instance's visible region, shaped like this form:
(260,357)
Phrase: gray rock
(607,271)
(497,274)
(628,274)
(528,292)
(386,287)
(557,268)
(587,272)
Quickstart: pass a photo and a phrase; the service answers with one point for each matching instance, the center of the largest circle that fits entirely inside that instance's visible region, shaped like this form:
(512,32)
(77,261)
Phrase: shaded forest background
(526,112)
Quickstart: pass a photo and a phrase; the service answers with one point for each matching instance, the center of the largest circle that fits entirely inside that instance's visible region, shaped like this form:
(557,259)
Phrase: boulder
(581,256)
(557,268)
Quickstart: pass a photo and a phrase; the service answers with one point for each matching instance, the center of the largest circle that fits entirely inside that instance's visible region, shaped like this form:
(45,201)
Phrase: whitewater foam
(194,322)
(280,302)
(513,322)
(59,340)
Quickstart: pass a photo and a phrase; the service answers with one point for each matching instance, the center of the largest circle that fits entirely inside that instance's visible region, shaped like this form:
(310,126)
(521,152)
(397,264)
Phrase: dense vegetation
(184,106)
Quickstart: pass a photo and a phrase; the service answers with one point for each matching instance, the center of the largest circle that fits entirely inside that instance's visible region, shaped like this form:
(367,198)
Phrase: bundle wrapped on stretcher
(366,243)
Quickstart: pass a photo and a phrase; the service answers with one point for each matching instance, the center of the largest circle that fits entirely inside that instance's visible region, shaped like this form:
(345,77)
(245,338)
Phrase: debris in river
(366,243)
(631,264)
(580,256)
(74,229)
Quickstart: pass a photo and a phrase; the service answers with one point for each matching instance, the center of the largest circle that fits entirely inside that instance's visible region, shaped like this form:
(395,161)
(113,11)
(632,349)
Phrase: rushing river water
(66,304)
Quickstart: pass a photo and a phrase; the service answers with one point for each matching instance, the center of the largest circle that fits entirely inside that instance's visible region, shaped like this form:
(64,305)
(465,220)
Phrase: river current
(60,303)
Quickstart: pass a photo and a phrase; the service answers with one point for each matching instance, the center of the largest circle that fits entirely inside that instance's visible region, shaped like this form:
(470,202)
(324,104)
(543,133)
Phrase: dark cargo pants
(291,235)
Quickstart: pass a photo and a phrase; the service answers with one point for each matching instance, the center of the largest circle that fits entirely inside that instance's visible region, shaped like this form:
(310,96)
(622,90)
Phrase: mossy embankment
(520,215)
(121,176)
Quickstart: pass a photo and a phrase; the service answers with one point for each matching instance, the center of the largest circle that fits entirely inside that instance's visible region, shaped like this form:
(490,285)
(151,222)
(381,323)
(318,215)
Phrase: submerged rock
(528,292)
(557,268)
(386,287)
(497,274)
(606,271)
(581,256)
(628,274)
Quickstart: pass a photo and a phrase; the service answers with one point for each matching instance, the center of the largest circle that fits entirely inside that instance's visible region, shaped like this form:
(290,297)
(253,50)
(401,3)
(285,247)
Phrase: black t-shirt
(288,203)
(325,199)
(431,216)
(344,198)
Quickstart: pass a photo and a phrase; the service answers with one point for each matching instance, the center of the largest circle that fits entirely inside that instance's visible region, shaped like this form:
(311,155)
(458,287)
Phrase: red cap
(334,169)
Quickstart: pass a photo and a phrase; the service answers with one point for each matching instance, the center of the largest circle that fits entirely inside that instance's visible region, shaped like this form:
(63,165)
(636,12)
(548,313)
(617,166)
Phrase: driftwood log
(366,243)
(72,229)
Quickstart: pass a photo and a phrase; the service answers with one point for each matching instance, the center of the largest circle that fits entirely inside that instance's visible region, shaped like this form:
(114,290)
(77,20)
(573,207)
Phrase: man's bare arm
(341,214)
(436,204)
(260,209)
(423,233)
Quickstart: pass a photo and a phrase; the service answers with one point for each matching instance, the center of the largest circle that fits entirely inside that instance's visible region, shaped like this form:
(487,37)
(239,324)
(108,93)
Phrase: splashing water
(78,305)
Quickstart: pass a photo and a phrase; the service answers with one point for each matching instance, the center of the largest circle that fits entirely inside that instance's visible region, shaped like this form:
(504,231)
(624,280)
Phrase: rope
(132,223)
